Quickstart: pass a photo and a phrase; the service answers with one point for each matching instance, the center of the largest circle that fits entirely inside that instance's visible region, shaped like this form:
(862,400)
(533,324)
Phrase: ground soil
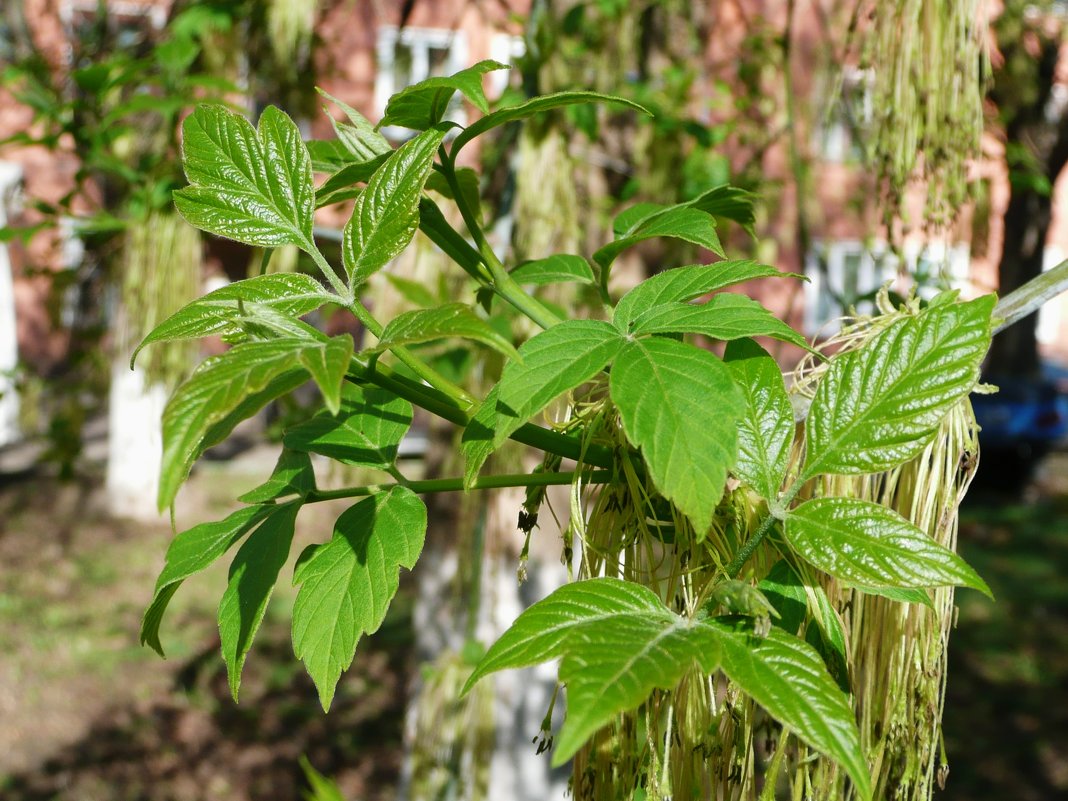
(86,714)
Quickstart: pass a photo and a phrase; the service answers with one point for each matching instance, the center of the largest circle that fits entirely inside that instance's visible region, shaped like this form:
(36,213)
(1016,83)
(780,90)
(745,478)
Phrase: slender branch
(1027,299)
(502,283)
(343,292)
(458,413)
(457,484)
(749,547)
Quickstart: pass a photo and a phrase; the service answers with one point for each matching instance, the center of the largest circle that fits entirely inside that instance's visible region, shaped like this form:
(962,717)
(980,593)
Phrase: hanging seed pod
(928,63)
(161,268)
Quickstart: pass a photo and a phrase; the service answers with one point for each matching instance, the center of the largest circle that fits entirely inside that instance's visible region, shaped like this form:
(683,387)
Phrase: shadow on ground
(1006,717)
(198,744)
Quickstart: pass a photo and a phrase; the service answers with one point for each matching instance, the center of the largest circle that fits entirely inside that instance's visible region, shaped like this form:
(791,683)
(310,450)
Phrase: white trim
(872,265)
(10,180)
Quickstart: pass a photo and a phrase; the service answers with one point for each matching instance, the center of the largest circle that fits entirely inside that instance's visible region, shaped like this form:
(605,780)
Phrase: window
(837,138)
(410,55)
(506,49)
(847,274)
(127,27)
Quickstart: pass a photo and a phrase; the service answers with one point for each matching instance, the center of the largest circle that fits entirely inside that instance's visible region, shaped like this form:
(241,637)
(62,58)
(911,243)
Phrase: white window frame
(877,266)
(834,136)
(507,49)
(154,13)
(419,41)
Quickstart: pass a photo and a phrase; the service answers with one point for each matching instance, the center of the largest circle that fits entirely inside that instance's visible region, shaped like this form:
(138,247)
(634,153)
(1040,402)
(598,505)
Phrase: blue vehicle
(1020,424)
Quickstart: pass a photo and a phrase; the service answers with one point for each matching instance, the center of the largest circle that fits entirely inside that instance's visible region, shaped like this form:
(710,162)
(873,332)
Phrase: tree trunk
(1014,352)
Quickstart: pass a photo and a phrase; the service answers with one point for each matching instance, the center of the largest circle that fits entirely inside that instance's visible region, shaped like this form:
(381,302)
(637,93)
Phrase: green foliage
(667,424)
(347,583)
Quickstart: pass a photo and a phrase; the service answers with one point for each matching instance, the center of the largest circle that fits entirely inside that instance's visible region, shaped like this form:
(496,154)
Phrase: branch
(1027,299)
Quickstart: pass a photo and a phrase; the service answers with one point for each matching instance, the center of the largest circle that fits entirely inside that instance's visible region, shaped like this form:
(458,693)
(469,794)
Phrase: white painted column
(135,442)
(10,177)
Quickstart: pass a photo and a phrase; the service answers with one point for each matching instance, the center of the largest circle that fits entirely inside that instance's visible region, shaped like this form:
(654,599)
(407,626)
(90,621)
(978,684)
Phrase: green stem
(749,547)
(339,287)
(413,362)
(457,484)
(502,283)
(457,412)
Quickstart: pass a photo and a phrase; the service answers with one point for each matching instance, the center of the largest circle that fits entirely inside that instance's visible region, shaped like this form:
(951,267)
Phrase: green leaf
(328,156)
(684,284)
(689,225)
(341,185)
(679,404)
(292,475)
(189,553)
(538,634)
(253,575)
(386,214)
(787,677)
(551,363)
(731,203)
(322,788)
(327,366)
(879,406)
(865,545)
(534,106)
(347,584)
(424,104)
(467,179)
(366,432)
(784,591)
(618,643)
(252,185)
(224,390)
(360,139)
(559,268)
(766,429)
(442,322)
(614,667)
(631,217)
(725,316)
(215,314)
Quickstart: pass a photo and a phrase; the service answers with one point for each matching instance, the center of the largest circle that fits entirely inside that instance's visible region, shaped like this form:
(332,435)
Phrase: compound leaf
(224,390)
(538,634)
(868,545)
(215,314)
(366,431)
(534,106)
(684,284)
(360,139)
(386,214)
(675,222)
(292,475)
(253,574)
(252,185)
(552,362)
(878,406)
(347,584)
(190,552)
(679,404)
(787,677)
(559,268)
(766,429)
(613,667)
(327,366)
(725,317)
(424,104)
(441,322)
